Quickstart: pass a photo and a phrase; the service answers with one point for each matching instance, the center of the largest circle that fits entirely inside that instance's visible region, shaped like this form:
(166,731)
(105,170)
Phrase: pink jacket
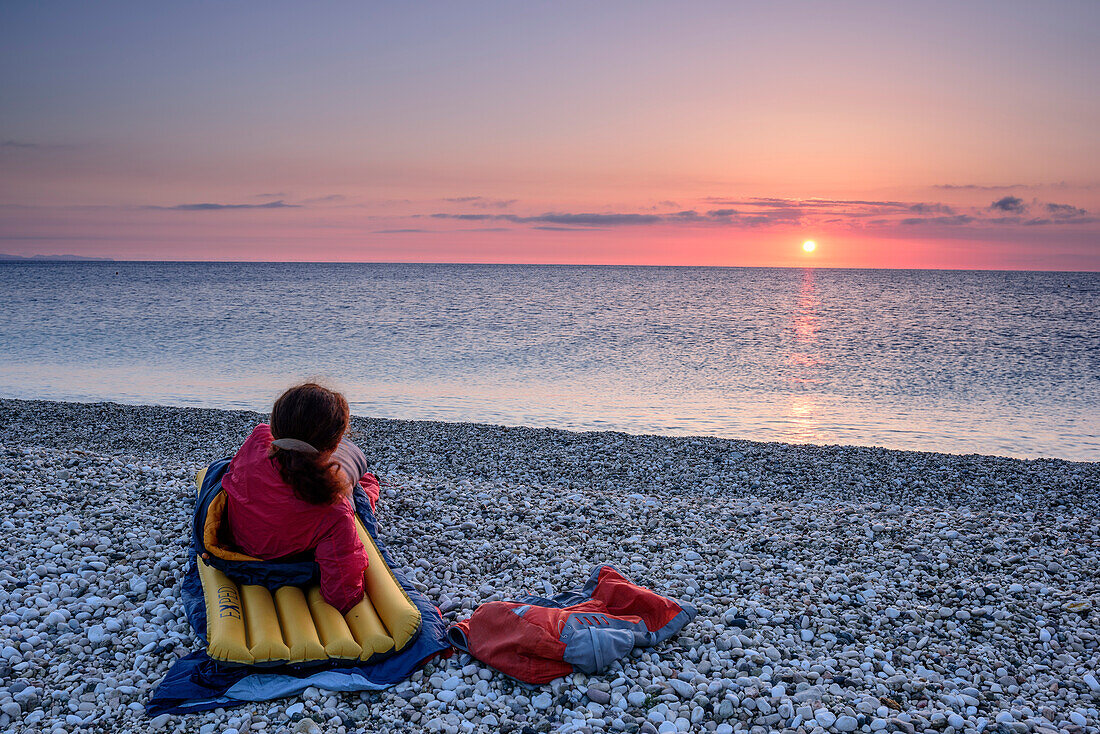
(269,521)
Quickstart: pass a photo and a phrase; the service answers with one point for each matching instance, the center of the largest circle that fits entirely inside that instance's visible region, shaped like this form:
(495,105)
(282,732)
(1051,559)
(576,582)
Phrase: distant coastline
(4,257)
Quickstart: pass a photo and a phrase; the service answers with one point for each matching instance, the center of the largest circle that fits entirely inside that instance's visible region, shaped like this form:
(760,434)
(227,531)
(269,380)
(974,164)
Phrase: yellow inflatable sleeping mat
(247,625)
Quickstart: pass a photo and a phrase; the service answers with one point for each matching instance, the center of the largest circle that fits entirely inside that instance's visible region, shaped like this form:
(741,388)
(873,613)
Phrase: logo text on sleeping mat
(229,604)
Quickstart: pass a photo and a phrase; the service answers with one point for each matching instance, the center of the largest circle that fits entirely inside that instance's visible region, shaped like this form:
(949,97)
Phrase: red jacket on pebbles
(536,639)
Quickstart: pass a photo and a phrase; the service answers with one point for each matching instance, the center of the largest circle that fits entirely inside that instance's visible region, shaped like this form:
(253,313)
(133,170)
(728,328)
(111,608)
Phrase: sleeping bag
(266,633)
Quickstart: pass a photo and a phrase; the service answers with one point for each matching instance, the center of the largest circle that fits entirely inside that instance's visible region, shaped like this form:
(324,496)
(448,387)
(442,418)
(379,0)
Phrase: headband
(293,444)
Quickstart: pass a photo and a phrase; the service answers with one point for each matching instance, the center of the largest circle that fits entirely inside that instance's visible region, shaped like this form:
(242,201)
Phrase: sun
(809,245)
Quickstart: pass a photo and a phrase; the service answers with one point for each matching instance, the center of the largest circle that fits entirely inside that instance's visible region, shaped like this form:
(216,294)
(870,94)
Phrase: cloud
(482,202)
(829,203)
(766,202)
(1012,204)
(1066,210)
(399,231)
(750,210)
(559,218)
(980,187)
(1010,187)
(952,221)
(791,215)
(206,207)
(753,213)
(467,217)
(762,220)
(747,212)
(773,202)
(1037,221)
(324,199)
(759,212)
(20,144)
(923,208)
(597,220)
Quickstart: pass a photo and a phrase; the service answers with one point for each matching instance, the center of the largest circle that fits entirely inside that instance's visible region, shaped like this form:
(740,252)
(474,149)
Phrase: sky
(899,135)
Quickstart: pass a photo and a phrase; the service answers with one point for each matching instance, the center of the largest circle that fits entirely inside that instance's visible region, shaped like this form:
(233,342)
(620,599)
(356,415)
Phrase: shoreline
(566,458)
(837,586)
(671,435)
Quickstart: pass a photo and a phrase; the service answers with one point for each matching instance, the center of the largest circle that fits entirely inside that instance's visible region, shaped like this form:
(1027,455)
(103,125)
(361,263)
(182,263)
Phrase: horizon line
(32,260)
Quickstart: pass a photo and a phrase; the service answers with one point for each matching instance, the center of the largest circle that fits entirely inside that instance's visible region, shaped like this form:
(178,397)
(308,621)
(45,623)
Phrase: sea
(988,362)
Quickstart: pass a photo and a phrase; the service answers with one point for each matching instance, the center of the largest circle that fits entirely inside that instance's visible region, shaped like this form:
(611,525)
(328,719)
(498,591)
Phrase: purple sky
(894,135)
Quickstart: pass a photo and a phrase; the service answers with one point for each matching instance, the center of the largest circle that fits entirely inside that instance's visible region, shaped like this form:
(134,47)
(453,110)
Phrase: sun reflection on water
(805,420)
(805,364)
(805,318)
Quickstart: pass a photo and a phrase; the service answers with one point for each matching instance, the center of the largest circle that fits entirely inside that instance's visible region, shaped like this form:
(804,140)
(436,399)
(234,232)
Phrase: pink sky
(709,133)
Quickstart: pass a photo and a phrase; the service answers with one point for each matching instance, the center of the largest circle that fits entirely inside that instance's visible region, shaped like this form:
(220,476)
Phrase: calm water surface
(989,362)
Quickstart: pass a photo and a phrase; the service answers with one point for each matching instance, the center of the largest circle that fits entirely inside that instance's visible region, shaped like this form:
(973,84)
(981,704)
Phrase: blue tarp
(198,683)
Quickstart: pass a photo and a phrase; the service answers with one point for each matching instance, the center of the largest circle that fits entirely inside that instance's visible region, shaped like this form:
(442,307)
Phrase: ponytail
(318,417)
(313,479)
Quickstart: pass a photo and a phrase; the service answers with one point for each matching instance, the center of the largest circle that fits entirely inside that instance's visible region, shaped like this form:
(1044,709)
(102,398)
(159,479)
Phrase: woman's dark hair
(319,417)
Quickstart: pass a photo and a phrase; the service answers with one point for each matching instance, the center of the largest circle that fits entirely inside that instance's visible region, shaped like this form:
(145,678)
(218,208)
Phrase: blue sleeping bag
(199,683)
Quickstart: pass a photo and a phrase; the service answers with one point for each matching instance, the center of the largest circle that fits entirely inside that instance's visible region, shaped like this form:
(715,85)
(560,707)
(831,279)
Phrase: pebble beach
(839,589)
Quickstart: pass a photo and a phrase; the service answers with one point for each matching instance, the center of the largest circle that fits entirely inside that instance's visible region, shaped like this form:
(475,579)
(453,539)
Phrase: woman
(289,490)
